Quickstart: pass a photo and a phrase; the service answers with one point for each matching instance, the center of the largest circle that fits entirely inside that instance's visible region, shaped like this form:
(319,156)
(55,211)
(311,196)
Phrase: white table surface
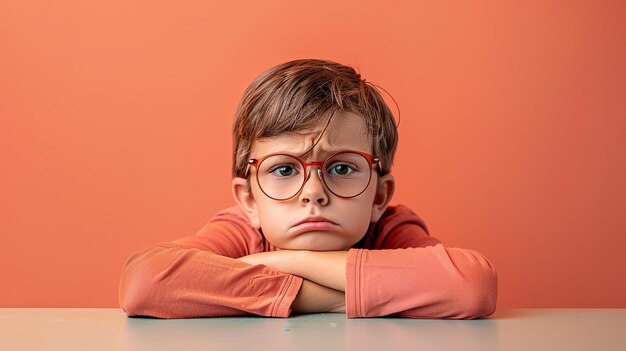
(508,329)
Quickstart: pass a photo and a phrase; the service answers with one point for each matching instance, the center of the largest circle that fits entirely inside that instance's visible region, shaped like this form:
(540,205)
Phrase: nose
(313,189)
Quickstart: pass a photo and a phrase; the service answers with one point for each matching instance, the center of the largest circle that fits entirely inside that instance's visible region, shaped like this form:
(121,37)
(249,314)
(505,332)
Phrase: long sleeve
(409,274)
(198,276)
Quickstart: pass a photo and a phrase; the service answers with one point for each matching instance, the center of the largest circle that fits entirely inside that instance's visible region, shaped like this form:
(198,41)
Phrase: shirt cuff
(287,294)
(353,284)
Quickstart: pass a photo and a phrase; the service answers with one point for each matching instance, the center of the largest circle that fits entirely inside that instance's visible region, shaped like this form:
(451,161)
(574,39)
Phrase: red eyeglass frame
(255,162)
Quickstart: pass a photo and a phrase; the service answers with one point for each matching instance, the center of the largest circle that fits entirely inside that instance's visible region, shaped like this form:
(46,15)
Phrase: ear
(384,192)
(242,193)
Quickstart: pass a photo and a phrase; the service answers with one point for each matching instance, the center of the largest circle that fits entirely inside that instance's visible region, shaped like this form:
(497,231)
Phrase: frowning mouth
(315,219)
(311,226)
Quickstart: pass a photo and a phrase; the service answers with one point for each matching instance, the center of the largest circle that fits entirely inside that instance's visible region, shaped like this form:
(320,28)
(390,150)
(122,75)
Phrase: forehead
(346,131)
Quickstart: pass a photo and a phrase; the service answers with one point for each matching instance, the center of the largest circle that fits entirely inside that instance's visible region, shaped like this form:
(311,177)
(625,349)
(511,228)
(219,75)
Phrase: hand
(313,298)
(339,309)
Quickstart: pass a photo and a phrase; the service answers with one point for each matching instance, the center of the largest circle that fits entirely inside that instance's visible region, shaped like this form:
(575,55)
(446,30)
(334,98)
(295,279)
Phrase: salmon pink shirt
(397,269)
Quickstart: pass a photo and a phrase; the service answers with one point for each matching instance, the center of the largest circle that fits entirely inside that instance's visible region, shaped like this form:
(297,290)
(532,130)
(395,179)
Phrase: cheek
(358,215)
(272,220)
(361,219)
(266,214)
(362,213)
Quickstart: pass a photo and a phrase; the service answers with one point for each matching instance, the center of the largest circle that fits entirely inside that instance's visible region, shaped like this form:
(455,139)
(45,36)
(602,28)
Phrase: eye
(341,169)
(283,170)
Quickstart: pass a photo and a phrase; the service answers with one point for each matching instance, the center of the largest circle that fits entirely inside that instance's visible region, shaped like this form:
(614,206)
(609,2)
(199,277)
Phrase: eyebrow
(321,152)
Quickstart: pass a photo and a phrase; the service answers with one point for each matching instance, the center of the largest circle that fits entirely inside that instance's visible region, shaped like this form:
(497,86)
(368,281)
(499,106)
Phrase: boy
(313,230)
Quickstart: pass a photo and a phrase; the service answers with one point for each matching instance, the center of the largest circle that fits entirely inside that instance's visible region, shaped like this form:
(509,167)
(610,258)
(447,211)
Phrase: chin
(316,241)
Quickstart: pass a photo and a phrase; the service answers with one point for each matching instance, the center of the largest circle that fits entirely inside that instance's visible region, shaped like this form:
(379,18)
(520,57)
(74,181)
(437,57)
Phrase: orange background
(115,122)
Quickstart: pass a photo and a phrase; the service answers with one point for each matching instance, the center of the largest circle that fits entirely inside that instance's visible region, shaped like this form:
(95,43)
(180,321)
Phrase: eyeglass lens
(345,174)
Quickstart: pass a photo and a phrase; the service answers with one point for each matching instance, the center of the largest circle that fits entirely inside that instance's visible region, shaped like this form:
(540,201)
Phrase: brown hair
(298,96)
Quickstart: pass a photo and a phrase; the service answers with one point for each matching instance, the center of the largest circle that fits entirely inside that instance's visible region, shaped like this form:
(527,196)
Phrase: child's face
(350,217)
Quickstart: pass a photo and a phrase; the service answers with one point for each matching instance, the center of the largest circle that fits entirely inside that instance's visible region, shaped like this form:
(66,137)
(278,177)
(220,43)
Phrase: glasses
(282,176)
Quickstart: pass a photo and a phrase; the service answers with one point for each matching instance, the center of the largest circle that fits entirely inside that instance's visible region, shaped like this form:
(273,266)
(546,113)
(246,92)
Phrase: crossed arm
(324,273)
(195,276)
